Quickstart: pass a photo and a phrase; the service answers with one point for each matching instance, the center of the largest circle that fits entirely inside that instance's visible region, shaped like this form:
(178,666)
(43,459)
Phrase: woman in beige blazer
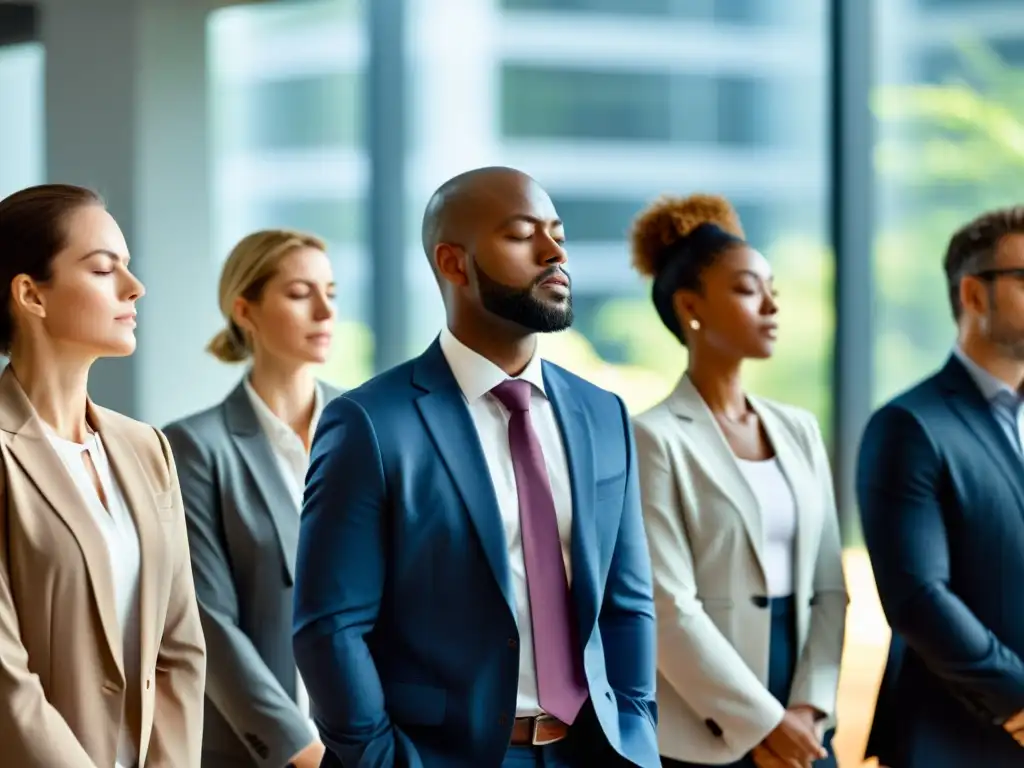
(102,659)
(739,510)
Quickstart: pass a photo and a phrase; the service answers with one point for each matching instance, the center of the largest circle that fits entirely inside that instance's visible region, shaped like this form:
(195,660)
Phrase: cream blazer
(704,531)
(62,685)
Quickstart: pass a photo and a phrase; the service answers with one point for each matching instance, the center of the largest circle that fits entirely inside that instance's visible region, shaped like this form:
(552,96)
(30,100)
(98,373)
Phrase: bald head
(455,207)
(495,244)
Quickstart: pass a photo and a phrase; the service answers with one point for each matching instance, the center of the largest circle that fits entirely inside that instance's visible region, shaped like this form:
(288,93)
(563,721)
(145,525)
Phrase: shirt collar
(991,387)
(269,421)
(476,375)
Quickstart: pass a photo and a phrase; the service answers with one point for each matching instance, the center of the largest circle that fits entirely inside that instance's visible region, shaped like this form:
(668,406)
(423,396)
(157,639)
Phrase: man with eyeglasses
(940,485)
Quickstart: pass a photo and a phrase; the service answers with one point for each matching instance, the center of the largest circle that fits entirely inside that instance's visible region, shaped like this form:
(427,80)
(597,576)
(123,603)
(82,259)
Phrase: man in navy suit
(940,483)
(473,586)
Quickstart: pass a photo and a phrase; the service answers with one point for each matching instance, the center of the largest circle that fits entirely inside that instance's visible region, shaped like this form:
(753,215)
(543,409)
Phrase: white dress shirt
(477,376)
(292,462)
(1005,402)
(117,525)
(778,521)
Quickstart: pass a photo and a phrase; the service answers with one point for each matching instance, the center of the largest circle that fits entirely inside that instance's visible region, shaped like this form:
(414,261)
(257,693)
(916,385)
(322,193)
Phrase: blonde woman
(242,465)
(738,506)
(101,651)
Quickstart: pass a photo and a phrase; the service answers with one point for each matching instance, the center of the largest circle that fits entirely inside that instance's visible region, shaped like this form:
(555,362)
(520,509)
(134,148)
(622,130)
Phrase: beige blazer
(704,530)
(62,688)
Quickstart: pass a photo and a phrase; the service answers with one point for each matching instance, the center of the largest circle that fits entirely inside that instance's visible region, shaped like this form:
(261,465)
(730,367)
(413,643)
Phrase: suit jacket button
(512,643)
(715,728)
(760,601)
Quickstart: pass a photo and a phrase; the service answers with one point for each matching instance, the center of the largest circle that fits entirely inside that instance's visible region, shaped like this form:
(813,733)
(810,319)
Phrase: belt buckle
(535,740)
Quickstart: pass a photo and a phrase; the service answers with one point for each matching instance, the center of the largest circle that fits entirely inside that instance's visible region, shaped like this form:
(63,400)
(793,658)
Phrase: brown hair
(33,230)
(250,265)
(973,247)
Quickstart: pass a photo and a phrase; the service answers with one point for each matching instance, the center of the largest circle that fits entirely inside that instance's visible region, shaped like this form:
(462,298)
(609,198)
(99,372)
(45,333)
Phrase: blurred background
(852,136)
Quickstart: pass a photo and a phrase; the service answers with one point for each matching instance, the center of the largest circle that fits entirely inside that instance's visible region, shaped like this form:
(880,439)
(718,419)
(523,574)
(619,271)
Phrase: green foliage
(351,359)
(946,152)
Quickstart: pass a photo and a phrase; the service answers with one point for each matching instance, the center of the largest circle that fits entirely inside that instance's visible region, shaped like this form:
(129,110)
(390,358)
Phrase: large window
(286,99)
(21,125)
(304,111)
(580,103)
(949,107)
(606,134)
(727,11)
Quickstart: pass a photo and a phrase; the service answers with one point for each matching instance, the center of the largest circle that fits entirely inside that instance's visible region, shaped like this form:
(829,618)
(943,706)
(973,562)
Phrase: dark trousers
(781,667)
(553,756)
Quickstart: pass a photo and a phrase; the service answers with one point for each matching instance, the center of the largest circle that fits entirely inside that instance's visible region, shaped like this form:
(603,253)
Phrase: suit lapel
(967,401)
(30,448)
(254,448)
(451,428)
(714,455)
(576,437)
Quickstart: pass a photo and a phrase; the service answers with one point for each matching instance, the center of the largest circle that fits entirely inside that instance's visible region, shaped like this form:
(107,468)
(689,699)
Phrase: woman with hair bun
(739,511)
(102,660)
(242,466)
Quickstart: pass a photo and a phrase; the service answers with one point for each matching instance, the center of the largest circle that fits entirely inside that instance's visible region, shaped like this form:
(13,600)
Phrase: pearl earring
(695,324)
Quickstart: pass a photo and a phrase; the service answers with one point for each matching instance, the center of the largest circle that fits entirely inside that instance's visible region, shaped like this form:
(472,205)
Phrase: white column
(126,114)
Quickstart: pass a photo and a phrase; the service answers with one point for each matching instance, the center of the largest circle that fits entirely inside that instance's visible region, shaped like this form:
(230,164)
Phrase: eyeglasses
(994,274)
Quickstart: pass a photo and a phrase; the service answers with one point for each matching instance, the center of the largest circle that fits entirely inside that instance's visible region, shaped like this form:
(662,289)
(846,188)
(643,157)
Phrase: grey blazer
(243,532)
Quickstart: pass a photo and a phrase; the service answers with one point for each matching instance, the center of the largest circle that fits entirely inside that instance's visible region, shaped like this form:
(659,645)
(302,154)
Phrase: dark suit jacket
(404,622)
(243,531)
(941,493)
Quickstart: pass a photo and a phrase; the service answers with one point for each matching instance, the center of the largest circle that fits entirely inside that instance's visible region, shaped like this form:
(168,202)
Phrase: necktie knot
(514,394)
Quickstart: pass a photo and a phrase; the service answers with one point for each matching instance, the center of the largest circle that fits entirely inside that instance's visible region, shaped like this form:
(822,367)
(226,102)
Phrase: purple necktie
(561,682)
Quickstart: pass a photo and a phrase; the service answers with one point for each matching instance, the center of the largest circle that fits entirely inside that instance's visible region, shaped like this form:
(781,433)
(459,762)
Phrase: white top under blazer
(778,514)
(116,524)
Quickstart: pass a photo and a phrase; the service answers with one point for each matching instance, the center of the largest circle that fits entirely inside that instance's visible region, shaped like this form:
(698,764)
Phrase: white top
(778,514)
(292,462)
(121,536)
(476,377)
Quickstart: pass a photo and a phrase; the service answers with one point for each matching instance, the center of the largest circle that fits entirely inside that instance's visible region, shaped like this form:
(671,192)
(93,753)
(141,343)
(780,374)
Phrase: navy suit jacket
(404,624)
(941,495)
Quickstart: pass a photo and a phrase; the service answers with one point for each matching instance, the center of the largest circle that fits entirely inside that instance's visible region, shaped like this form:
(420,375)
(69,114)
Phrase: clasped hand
(1015,727)
(794,743)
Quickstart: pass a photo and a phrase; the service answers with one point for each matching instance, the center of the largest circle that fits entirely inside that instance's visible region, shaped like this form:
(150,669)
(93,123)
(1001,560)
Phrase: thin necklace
(739,421)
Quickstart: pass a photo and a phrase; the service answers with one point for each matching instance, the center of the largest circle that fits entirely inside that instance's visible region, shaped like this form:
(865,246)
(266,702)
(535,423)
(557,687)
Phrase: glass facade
(286,96)
(605,135)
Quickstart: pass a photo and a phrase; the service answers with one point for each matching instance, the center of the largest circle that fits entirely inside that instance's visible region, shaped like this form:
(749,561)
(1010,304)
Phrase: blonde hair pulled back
(251,263)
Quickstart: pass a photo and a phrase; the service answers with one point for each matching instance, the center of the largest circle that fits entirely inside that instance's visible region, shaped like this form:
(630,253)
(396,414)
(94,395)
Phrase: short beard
(521,306)
(1008,339)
